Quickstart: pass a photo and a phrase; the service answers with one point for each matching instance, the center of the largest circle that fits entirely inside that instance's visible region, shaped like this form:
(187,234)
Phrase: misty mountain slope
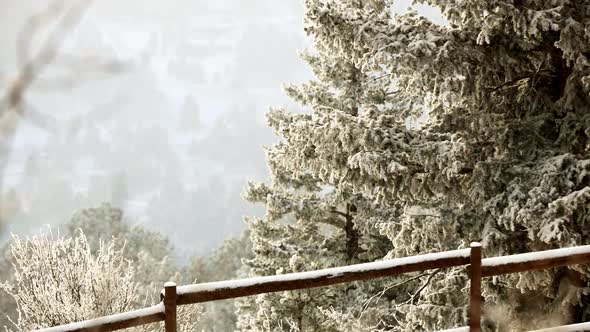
(129,136)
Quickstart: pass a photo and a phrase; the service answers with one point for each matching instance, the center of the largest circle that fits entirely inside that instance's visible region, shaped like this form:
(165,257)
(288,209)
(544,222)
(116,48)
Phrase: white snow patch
(534,256)
(158,308)
(567,328)
(328,273)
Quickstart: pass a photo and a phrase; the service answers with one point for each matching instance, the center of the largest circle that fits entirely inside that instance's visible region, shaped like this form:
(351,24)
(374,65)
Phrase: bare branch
(12,103)
(419,291)
(381,293)
(32,66)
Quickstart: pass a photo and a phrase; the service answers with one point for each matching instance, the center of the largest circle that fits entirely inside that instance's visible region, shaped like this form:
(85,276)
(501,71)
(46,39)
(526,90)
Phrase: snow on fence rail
(478,268)
(567,328)
(540,260)
(458,329)
(220,290)
(114,322)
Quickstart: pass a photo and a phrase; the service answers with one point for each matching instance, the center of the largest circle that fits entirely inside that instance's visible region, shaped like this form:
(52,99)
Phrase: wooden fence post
(170,306)
(475,291)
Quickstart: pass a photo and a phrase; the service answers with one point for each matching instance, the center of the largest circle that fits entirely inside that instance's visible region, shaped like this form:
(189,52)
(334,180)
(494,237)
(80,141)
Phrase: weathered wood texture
(537,264)
(173,296)
(293,281)
(170,307)
(567,328)
(475,288)
(113,322)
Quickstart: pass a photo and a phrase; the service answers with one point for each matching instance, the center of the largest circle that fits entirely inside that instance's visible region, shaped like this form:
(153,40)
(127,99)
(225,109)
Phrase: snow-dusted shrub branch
(61,280)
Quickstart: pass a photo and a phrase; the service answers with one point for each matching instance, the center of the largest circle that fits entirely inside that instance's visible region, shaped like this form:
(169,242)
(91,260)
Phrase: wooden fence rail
(478,268)
(114,322)
(238,288)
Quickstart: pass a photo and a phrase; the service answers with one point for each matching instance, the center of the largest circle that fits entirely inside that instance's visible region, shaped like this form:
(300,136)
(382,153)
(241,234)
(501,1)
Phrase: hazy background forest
(158,109)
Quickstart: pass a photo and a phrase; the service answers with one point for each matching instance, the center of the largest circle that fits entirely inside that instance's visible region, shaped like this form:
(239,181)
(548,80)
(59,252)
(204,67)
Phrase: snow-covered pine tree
(311,222)
(504,155)
(307,230)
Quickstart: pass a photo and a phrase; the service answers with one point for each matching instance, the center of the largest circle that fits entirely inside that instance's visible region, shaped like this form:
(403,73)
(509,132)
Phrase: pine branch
(336,222)
(513,82)
(425,215)
(340,213)
(376,78)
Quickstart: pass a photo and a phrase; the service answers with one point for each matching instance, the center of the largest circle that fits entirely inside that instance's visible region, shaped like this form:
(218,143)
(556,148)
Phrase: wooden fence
(478,268)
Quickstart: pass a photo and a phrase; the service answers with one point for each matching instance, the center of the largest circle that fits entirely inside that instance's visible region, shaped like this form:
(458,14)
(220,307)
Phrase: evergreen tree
(311,223)
(503,156)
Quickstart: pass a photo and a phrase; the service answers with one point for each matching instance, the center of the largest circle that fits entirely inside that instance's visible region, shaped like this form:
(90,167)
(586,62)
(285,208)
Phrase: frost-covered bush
(148,250)
(60,280)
